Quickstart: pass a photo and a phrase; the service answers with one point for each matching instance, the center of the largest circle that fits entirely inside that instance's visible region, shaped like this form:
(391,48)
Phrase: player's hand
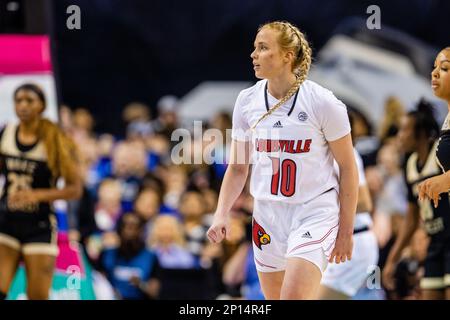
(342,249)
(388,276)
(432,187)
(219,229)
(23,198)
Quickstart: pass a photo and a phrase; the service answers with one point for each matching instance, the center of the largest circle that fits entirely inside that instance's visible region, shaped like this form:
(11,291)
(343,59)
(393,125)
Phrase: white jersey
(291,159)
(362,219)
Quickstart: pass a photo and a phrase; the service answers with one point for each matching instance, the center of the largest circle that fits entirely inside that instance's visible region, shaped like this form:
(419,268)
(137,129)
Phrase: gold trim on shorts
(433,283)
(9,241)
(447,280)
(40,248)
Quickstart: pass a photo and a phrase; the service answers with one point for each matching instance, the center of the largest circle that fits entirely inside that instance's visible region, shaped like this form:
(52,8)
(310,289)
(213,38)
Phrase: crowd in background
(142,219)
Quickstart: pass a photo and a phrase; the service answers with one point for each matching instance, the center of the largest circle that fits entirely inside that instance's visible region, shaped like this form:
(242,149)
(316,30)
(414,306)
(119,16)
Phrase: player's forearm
(446,179)
(232,185)
(406,232)
(70,191)
(364,200)
(362,207)
(348,198)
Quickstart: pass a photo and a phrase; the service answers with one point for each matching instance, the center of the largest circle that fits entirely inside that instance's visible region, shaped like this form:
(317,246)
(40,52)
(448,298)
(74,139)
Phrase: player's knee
(295,294)
(292,291)
(272,295)
(37,294)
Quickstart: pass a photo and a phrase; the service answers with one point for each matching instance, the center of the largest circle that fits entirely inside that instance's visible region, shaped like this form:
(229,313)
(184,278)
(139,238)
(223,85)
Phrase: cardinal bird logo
(260,236)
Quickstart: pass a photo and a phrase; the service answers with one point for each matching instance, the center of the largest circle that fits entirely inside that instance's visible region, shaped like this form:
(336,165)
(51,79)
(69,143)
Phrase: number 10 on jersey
(287,172)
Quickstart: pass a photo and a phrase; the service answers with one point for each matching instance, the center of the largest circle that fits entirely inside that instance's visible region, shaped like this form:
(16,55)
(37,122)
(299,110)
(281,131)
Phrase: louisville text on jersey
(288,146)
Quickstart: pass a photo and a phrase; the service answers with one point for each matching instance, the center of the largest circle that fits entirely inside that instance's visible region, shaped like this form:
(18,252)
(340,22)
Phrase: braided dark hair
(425,122)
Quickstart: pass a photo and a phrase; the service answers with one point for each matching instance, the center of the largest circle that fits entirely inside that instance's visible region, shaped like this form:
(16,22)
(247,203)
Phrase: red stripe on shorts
(315,241)
(263,265)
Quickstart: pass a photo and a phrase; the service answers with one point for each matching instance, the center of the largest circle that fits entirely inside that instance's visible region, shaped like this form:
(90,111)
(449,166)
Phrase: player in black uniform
(440,82)
(418,134)
(33,155)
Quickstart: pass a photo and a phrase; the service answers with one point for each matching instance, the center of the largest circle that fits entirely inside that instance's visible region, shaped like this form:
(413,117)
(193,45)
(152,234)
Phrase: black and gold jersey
(24,167)
(436,220)
(443,149)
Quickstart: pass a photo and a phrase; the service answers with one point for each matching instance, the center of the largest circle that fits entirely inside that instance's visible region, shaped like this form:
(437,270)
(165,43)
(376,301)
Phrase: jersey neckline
(24,147)
(266,100)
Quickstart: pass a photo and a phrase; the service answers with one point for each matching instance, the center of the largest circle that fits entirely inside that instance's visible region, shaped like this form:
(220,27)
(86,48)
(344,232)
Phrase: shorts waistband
(362,229)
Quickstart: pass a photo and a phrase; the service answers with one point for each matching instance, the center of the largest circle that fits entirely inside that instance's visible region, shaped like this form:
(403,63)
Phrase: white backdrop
(8,83)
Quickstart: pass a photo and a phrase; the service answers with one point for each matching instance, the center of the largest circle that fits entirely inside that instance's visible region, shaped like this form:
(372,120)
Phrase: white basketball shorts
(282,230)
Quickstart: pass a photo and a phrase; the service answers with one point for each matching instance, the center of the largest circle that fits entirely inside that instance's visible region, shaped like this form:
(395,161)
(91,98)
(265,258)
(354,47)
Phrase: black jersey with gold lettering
(24,167)
(443,149)
(436,220)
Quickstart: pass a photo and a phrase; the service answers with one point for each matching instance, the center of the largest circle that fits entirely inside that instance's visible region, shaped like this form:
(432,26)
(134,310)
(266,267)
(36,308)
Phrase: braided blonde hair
(290,38)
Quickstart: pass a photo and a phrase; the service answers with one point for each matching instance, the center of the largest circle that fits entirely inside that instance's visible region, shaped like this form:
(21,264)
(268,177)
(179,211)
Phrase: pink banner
(68,255)
(24,54)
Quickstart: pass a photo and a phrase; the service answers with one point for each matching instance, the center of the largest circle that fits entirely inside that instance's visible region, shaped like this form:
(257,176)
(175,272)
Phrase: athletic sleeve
(333,117)
(240,130)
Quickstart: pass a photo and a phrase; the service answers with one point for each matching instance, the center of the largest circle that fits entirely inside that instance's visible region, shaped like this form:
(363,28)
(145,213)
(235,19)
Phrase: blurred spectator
(168,241)
(108,208)
(101,168)
(131,268)
(393,111)
(158,150)
(221,121)
(150,180)
(129,167)
(107,212)
(136,117)
(135,112)
(175,181)
(167,120)
(236,237)
(199,180)
(83,123)
(211,197)
(192,209)
(147,206)
(89,152)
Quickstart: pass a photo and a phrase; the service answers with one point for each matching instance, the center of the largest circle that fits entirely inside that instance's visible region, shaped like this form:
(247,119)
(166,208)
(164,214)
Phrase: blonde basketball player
(303,214)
